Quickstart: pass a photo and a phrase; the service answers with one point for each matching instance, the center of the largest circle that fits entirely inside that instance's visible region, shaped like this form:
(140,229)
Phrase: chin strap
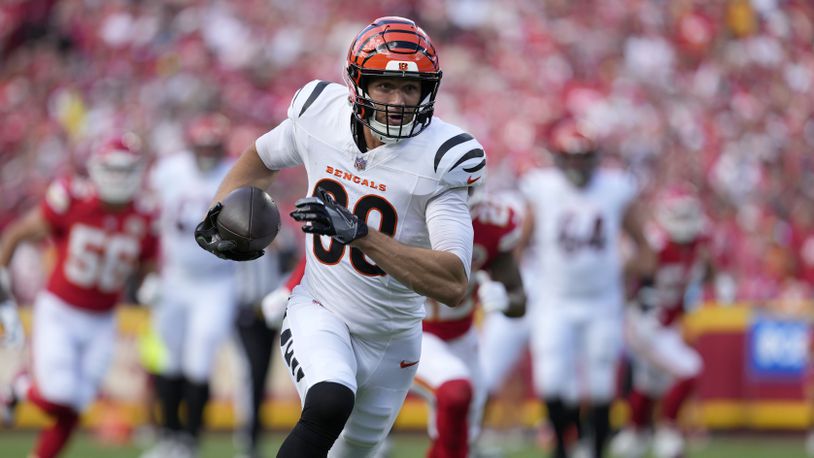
(382,127)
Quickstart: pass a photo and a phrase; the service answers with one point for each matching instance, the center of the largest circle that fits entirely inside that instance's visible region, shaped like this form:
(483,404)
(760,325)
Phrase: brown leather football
(249,218)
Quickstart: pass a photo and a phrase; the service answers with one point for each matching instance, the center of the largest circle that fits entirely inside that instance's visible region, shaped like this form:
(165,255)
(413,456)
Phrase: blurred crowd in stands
(719,93)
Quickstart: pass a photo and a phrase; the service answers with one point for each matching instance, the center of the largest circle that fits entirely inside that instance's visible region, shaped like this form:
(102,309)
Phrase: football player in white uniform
(390,225)
(196,303)
(578,212)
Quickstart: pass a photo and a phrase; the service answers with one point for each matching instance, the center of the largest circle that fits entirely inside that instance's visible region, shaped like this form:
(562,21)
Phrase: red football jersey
(97,249)
(496,222)
(673,272)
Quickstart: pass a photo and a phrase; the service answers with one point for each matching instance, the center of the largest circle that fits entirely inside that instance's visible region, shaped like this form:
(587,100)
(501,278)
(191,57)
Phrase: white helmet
(680,213)
(116,169)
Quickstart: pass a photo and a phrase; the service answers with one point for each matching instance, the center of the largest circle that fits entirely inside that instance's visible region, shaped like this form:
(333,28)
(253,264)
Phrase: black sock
(574,418)
(170,390)
(326,409)
(258,341)
(558,415)
(599,419)
(196,396)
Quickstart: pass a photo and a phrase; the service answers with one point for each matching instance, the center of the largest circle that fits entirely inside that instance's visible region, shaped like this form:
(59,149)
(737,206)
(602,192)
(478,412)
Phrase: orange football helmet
(396,47)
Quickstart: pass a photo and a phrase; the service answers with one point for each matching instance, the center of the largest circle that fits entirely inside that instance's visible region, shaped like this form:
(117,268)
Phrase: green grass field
(219,445)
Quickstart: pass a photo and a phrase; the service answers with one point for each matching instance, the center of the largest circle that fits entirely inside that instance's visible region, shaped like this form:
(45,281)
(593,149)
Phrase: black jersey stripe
(314,94)
(448,145)
(475,168)
(470,155)
(296,94)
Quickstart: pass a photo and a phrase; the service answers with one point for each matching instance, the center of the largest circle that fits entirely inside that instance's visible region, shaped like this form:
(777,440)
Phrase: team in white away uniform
(196,300)
(665,367)
(579,269)
(197,293)
(450,373)
(378,314)
(578,214)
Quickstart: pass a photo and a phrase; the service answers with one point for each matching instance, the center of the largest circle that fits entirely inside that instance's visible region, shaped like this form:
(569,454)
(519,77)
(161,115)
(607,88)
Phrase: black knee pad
(327,408)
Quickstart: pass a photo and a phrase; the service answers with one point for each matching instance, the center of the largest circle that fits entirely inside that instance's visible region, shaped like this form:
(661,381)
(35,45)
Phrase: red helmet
(116,168)
(396,47)
(575,152)
(206,135)
(680,213)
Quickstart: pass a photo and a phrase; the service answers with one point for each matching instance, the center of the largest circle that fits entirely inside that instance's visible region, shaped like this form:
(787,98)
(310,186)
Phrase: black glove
(207,236)
(328,218)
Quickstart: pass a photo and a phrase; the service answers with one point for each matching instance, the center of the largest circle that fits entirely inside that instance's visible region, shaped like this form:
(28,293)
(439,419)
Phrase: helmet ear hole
(427,89)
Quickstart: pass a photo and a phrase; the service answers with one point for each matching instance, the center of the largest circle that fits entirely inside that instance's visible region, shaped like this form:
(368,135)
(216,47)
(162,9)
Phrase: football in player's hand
(249,218)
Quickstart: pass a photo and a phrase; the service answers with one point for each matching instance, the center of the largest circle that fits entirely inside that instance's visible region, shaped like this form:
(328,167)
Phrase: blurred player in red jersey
(665,367)
(102,235)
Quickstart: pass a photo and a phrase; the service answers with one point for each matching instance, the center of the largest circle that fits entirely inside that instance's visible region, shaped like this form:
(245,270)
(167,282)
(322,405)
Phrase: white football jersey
(184,193)
(576,233)
(388,186)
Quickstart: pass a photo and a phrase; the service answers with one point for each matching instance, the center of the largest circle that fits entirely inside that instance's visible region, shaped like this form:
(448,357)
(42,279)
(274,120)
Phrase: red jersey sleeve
(497,227)
(150,244)
(296,275)
(56,203)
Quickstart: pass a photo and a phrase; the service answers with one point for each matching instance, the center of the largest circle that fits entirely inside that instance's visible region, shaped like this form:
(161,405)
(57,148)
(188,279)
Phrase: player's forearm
(504,269)
(645,260)
(8,243)
(438,275)
(32,226)
(249,170)
(145,268)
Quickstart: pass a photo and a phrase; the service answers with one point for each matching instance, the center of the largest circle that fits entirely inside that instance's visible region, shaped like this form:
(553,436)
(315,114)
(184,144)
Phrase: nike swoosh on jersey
(404,363)
(470,180)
